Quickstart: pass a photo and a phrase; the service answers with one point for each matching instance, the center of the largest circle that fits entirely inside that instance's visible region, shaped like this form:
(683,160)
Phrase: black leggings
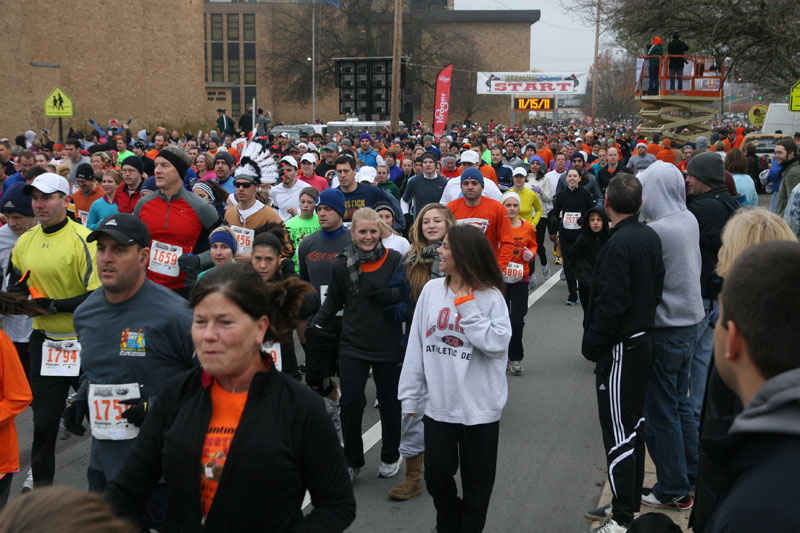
(49,399)
(572,284)
(517,302)
(541,231)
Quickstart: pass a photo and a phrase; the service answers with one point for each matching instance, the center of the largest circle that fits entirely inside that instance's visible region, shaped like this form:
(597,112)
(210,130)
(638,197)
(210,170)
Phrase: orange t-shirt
(227,410)
(653,148)
(83,202)
(491,218)
(524,237)
(547,155)
(152,154)
(488,172)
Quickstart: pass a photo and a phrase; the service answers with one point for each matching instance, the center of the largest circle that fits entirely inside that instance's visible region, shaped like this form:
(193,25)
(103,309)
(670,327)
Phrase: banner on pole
(442,102)
(532,83)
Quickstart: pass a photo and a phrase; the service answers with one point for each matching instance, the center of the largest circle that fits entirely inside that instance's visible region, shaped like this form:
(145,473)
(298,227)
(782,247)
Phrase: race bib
(61,358)
(106,408)
(164,259)
(571,220)
(244,240)
(274,351)
(84,216)
(513,273)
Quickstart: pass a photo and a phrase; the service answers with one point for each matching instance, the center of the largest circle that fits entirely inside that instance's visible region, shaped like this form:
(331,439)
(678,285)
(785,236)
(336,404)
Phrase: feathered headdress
(257,163)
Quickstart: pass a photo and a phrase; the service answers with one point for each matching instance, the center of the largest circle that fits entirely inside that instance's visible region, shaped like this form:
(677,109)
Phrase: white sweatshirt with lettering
(456,356)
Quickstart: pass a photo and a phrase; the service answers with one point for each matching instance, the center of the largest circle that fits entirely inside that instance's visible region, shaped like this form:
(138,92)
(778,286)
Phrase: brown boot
(412,484)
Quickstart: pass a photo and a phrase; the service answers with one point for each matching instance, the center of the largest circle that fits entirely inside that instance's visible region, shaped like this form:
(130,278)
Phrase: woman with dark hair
(456,362)
(368,281)
(213,193)
(736,164)
(421,265)
(237,442)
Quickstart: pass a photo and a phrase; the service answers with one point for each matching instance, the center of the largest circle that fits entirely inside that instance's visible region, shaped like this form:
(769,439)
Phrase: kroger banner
(442,103)
(532,83)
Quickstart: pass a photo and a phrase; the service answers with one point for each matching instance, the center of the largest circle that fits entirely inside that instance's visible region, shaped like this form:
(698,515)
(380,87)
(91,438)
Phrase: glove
(136,412)
(527,255)
(76,411)
(46,304)
(385,296)
(189,262)
(537,189)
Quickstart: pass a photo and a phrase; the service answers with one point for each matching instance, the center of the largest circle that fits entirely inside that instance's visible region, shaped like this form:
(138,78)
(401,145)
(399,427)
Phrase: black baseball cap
(125,228)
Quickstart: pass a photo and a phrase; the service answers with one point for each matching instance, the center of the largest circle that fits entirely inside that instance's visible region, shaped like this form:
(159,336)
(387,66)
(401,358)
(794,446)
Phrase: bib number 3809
(61,358)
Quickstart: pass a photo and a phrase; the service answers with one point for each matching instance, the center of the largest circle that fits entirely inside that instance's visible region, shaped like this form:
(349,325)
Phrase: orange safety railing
(700,77)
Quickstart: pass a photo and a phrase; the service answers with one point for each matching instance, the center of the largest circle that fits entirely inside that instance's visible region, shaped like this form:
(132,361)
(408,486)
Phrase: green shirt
(122,156)
(391,188)
(298,229)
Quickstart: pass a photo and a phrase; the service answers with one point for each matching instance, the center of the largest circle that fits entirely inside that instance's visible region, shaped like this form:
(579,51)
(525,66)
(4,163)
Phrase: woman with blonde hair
(368,281)
(745,228)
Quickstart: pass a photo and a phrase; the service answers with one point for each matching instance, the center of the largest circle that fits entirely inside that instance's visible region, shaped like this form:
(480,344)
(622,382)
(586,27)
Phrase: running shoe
(389,469)
(63,432)
(684,503)
(601,513)
(558,260)
(516,368)
(27,485)
(332,406)
(532,282)
(353,472)
(375,403)
(563,275)
(571,301)
(545,271)
(609,526)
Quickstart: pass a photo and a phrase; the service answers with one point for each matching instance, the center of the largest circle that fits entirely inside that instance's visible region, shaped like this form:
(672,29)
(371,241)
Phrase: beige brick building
(174,63)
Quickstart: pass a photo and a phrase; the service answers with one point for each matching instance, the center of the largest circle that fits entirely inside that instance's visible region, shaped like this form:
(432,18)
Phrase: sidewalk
(679,517)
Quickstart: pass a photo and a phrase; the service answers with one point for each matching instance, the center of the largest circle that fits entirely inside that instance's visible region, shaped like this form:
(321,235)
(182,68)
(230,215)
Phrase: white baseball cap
(470,156)
(367,174)
(289,159)
(308,156)
(519,171)
(48,183)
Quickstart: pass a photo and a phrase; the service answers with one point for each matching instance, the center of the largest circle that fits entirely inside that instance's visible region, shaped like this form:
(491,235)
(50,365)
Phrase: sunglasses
(244,184)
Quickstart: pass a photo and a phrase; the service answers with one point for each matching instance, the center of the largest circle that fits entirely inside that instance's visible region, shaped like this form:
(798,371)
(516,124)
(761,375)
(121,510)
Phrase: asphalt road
(550,466)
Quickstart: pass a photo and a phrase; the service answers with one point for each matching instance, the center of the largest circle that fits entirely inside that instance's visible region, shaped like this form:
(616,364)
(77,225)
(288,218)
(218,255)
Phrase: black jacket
(676,47)
(284,445)
(569,201)
(712,210)
(628,278)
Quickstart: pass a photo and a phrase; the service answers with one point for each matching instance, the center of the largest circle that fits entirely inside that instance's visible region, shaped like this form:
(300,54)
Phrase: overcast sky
(559,41)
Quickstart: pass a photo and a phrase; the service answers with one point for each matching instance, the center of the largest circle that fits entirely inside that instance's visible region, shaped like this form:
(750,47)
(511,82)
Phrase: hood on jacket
(774,409)
(663,190)
(584,223)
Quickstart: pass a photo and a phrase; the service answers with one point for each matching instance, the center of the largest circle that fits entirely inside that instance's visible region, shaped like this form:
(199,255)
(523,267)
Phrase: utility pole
(594,68)
(397,50)
(313,61)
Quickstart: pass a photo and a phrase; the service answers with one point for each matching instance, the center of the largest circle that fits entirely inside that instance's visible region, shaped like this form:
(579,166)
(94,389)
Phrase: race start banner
(532,83)
(442,102)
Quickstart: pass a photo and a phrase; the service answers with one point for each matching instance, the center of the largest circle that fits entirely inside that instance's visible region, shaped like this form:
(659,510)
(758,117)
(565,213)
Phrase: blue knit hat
(472,173)
(16,201)
(333,198)
(225,238)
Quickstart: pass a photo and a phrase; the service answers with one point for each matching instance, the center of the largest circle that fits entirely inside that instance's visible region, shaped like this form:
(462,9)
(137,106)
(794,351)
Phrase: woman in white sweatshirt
(456,355)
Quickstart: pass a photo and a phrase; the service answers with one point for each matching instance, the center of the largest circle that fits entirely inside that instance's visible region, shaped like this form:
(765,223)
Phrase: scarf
(355,256)
(429,256)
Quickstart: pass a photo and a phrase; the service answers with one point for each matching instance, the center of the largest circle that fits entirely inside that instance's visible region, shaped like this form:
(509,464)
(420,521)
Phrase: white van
(780,118)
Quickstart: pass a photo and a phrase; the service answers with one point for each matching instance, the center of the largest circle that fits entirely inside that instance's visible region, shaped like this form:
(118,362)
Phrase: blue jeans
(703,346)
(671,429)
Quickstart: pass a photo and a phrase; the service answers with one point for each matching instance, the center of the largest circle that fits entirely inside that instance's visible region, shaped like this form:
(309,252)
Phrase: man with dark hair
(225,123)
(356,195)
(73,157)
(711,204)
(25,162)
(5,158)
(786,154)
(760,457)
(676,47)
(628,278)
(424,188)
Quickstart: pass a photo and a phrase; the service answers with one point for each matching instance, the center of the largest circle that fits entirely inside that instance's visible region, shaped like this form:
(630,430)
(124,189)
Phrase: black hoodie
(586,247)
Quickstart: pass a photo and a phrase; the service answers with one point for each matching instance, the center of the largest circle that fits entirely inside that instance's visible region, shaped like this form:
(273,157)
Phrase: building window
(216,62)
(249,95)
(216,27)
(233,27)
(205,27)
(249,64)
(233,62)
(205,60)
(236,105)
(249,27)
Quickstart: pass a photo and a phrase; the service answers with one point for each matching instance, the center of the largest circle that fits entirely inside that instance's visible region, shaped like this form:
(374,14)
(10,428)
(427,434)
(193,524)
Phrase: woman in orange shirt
(517,275)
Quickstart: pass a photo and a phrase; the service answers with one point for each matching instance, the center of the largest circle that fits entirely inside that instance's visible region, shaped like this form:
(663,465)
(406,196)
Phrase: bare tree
(758,39)
(615,78)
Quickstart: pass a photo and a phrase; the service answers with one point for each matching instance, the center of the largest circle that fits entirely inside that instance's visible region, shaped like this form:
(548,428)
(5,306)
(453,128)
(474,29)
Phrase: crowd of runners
(154,285)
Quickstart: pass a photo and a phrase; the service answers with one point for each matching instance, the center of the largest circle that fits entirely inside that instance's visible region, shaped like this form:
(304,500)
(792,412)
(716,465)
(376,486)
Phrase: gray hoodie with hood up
(664,207)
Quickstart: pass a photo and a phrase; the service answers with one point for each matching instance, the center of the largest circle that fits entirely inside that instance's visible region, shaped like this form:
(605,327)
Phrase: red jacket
(127,202)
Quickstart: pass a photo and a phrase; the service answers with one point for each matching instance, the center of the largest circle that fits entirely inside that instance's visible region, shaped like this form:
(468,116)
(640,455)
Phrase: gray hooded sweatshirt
(775,408)
(664,207)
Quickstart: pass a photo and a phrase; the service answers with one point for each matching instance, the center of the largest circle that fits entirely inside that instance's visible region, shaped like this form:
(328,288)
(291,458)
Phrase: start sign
(534,104)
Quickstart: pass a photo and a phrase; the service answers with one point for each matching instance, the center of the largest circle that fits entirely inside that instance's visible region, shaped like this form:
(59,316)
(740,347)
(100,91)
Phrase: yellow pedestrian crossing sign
(58,104)
(794,98)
